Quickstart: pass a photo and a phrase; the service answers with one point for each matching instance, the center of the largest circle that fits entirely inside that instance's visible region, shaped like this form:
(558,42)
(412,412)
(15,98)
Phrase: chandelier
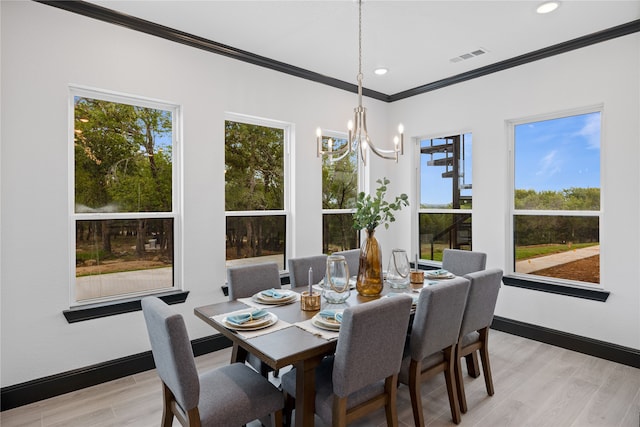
(358,136)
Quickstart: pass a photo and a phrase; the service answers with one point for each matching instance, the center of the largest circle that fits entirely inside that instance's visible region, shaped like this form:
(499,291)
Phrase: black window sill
(96,311)
(556,288)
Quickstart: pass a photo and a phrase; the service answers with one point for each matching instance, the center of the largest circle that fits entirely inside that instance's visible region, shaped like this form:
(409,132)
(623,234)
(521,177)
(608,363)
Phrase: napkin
(441,272)
(240,319)
(331,315)
(272,293)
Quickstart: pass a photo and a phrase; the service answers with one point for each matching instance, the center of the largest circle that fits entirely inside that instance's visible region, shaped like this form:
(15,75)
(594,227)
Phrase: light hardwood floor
(536,385)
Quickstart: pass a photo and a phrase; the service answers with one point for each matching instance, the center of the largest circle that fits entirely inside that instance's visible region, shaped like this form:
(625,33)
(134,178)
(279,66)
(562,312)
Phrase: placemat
(323,333)
(280,324)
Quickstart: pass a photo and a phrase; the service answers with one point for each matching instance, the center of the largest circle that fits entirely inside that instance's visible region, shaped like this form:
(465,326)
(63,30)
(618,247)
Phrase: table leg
(306,391)
(238,354)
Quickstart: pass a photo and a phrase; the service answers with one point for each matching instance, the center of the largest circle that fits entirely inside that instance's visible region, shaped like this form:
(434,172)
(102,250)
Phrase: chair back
(299,269)
(246,280)
(481,302)
(353,260)
(370,343)
(438,316)
(461,262)
(172,351)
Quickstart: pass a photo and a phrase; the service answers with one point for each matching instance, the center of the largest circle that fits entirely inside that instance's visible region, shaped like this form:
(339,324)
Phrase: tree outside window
(255,202)
(339,193)
(124,212)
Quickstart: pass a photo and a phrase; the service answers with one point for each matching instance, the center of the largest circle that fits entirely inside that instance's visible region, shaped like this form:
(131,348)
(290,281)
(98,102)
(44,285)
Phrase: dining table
(294,339)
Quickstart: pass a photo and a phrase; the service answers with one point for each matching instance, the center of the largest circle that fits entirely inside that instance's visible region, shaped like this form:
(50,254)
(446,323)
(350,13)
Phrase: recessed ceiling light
(380,71)
(547,7)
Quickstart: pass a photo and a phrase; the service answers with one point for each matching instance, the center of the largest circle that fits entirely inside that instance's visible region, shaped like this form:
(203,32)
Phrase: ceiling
(415,40)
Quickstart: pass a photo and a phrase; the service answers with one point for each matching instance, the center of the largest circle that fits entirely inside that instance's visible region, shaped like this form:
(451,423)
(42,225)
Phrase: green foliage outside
(254,181)
(121,166)
(572,199)
(339,191)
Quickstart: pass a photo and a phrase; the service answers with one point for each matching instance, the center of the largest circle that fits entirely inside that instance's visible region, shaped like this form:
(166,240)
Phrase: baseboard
(604,350)
(55,385)
(44,388)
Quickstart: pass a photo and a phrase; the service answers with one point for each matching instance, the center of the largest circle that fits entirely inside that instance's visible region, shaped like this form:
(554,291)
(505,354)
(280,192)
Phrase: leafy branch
(374,211)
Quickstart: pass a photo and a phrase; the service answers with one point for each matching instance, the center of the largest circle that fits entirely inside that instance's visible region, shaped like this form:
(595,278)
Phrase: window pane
(254,167)
(557,163)
(445,172)
(443,231)
(123,157)
(119,257)
(255,239)
(564,247)
(340,180)
(338,233)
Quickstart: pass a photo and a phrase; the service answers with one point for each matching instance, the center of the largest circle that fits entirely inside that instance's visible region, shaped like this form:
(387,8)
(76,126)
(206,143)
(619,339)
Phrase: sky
(550,155)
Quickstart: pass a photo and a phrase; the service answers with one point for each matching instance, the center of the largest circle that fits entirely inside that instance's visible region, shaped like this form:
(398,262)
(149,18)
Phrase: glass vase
(335,287)
(398,269)
(370,282)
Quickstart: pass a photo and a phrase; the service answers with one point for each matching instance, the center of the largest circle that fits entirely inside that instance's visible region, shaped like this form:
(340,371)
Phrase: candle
(310,280)
(416,262)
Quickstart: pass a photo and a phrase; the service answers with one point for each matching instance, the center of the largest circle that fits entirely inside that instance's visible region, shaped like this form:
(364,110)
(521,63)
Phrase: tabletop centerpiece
(370,213)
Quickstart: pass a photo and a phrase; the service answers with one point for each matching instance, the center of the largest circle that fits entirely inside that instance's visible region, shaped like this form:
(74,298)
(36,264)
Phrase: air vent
(469,55)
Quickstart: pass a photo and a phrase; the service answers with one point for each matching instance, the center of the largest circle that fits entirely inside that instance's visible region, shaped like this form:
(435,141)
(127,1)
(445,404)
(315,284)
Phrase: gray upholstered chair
(363,374)
(245,281)
(461,262)
(353,260)
(432,344)
(232,395)
(474,331)
(299,269)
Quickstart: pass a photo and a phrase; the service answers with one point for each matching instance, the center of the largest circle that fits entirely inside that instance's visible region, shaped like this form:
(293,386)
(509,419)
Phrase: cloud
(590,131)
(549,164)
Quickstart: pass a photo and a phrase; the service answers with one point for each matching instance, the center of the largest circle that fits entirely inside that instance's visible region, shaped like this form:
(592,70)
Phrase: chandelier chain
(359,39)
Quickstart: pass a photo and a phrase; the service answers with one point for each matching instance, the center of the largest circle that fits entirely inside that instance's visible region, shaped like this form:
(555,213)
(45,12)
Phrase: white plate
(352,284)
(315,322)
(252,325)
(327,323)
(441,276)
(262,299)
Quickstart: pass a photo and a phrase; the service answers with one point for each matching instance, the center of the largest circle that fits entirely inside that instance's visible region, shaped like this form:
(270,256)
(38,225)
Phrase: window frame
(288,130)
(360,171)
(418,177)
(561,286)
(176,194)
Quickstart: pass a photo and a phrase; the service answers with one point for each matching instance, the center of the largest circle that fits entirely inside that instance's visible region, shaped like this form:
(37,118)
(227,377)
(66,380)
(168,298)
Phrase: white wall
(45,49)
(607,73)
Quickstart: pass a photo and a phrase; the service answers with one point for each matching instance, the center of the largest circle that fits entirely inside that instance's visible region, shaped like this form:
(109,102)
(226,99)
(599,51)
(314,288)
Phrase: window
(125,216)
(339,193)
(556,197)
(255,191)
(444,215)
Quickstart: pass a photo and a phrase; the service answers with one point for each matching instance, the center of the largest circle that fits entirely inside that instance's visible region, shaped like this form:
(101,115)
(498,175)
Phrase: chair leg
(484,357)
(339,412)
(276,419)
(390,408)
(167,413)
(289,405)
(473,368)
(414,392)
(462,400)
(450,379)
